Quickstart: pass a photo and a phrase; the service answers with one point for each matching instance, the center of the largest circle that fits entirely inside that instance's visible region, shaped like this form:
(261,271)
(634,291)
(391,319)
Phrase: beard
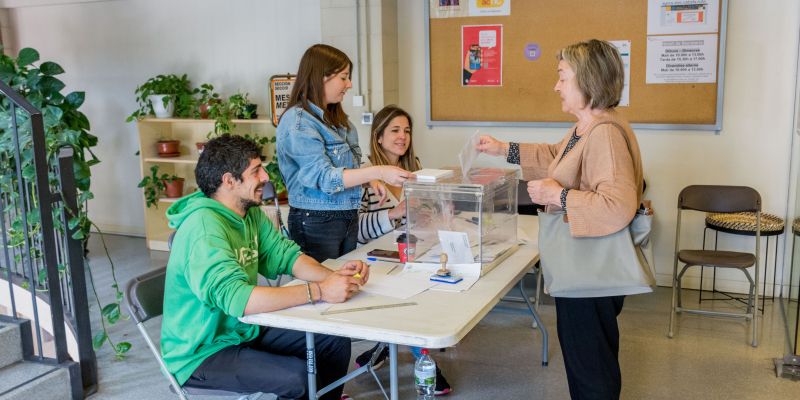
(247,204)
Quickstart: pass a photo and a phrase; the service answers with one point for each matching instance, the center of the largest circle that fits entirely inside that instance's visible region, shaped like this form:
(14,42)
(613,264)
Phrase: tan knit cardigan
(605,177)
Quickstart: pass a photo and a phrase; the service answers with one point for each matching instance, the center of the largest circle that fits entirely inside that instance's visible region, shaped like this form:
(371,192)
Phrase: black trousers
(275,362)
(324,234)
(589,336)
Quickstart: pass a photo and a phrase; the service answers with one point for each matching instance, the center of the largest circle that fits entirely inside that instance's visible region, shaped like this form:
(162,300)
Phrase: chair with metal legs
(145,297)
(725,199)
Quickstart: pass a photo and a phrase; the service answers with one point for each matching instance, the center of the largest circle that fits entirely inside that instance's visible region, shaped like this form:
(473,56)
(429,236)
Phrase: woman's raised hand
(394,176)
(492,146)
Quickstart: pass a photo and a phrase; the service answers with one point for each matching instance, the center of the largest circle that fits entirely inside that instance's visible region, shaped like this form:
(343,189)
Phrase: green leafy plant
(155,185)
(240,106)
(175,88)
(206,98)
(223,119)
(64,125)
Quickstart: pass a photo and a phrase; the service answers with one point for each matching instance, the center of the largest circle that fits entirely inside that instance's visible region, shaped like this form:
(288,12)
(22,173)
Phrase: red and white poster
(482,55)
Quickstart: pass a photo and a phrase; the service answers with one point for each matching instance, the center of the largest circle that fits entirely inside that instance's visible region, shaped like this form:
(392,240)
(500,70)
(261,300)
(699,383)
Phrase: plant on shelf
(272,168)
(223,119)
(155,186)
(64,125)
(241,107)
(206,98)
(164,95)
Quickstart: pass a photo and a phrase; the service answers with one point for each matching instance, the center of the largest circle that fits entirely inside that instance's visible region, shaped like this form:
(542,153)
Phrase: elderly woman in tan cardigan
(593,176)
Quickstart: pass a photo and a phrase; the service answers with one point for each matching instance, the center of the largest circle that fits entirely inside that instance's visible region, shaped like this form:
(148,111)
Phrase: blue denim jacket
(312,157)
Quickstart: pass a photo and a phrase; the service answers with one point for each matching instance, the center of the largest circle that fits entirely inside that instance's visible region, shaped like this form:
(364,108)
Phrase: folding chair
(145,297)
(720,199)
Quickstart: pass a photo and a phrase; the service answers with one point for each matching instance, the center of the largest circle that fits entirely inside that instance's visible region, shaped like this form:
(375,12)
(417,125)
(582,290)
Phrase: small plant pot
(174,188)
(203,109)
(169,148)
(200,146)
(161,111)
(283,197)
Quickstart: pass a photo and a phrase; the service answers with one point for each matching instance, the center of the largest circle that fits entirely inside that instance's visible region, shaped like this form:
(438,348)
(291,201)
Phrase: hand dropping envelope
(469,153)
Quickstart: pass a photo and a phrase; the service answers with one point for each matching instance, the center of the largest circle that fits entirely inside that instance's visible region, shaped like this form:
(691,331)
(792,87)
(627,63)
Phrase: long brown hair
(408,161)
(319,62)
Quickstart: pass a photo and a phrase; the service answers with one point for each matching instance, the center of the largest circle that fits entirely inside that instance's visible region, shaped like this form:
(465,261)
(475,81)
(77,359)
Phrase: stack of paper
(431,175)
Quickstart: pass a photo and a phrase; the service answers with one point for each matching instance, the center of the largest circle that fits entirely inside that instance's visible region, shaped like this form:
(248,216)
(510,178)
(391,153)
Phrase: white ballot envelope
(469,153)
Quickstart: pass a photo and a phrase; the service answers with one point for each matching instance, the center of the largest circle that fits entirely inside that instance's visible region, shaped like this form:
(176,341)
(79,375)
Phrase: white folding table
(439,319)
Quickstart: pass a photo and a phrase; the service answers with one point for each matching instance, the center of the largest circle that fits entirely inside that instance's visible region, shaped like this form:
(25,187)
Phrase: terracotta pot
(168,147)
(174,188)
(200,146)
(283,197)
(203,110)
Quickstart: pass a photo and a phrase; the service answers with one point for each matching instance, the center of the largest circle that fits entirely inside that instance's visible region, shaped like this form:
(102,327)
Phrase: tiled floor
(709,358)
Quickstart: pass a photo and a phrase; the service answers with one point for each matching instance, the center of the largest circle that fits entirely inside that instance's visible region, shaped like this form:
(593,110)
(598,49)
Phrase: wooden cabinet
(189,132)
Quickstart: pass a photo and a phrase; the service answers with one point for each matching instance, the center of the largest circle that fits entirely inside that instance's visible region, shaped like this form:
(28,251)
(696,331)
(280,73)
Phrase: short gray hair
(598,70)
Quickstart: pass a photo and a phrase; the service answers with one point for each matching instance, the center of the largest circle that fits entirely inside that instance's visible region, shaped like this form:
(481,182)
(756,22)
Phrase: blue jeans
(324,234)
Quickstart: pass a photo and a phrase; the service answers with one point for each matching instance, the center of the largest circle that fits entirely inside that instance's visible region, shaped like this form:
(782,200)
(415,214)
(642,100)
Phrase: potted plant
(241,107)
(223,118)
(173,186)
(207,97)
(168,148)
(163,96)
(157,186)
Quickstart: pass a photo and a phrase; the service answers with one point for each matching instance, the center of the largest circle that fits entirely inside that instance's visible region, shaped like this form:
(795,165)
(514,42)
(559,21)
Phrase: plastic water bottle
(425,376)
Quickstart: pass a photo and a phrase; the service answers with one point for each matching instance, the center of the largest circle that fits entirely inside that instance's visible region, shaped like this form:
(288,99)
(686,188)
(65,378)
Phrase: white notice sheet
(682,59)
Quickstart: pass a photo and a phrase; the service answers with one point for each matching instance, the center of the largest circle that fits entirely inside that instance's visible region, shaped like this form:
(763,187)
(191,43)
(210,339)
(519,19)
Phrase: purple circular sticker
(532,51)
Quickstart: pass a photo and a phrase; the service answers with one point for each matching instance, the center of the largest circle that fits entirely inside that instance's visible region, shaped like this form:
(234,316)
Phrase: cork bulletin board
(525,96)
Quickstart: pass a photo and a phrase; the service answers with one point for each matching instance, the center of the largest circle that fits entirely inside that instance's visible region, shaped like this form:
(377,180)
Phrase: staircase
(21,376)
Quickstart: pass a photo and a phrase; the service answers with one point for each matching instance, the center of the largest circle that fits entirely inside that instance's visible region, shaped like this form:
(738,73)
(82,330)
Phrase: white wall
(752,149)
(108,48)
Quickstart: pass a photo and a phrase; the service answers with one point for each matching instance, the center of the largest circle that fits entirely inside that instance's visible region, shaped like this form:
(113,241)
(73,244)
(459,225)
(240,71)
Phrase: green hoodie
(211,272)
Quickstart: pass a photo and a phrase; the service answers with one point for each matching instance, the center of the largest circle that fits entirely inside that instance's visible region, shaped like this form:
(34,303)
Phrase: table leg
(538,321)
(393,371)
(311,366)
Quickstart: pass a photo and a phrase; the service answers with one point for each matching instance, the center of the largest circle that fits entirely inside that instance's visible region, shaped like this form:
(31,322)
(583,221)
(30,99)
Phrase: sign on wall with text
(280,88)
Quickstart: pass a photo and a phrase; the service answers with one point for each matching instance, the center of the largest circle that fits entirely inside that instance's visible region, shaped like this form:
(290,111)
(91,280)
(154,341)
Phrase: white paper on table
(469,153)
(456,246)
(400,286)
(465,284)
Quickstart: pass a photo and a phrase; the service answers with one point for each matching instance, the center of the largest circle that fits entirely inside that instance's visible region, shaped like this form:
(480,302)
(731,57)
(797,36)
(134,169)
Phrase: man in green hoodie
(223,241)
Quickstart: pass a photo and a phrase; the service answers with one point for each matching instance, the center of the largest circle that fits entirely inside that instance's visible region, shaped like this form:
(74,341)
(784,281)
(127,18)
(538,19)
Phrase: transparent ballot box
(472,219)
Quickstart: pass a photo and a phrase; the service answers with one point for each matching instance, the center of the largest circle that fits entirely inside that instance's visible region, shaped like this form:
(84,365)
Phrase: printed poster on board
(482,55)
(624,48)
(449,8)
(486,8)
(280,88)
(469,8)
(668,17)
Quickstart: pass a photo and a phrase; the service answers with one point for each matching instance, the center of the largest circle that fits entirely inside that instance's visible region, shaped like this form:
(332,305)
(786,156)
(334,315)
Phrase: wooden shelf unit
(189,132)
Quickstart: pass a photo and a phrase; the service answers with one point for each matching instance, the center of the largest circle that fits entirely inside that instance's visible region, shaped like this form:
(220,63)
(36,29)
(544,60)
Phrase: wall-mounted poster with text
(280,88)
(482,55)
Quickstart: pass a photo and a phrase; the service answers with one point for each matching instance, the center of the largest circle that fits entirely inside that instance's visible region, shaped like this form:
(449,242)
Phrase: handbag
(617,264)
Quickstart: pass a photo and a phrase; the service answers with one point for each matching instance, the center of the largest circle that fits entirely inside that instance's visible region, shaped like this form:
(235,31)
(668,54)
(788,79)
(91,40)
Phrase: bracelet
(563,199)
(320,291)
(308,290)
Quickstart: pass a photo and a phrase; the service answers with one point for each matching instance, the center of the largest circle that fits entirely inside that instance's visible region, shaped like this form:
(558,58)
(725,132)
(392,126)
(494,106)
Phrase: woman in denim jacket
(319,157)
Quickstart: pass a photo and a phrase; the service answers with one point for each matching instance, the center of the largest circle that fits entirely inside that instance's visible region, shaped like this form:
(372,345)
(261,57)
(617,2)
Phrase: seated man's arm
(325,285)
